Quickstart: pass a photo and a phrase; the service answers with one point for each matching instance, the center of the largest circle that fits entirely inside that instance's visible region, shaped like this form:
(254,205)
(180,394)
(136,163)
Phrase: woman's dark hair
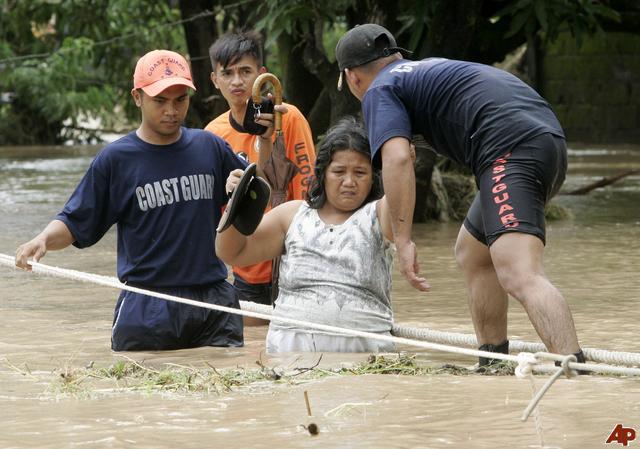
(347,134)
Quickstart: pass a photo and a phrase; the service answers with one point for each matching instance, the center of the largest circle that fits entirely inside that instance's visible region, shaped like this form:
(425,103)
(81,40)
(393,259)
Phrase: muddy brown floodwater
(49,326)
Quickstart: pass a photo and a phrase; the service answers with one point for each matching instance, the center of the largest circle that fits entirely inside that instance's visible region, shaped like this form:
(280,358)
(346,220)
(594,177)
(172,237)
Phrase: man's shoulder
(221,126)
(294,118)
(122,145)
(197,139)
(405,71)
(220,122)
(127,140)
(291,107)
(197,133)
(293,113)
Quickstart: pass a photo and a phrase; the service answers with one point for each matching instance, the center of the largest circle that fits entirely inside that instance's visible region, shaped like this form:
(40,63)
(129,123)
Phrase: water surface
(49,325)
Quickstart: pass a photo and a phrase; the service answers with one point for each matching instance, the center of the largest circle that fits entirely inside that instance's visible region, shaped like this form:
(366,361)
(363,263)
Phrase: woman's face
(348,180)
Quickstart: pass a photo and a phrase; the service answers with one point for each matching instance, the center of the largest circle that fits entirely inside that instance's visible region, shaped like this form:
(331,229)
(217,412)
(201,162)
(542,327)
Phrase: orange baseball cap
(160,69)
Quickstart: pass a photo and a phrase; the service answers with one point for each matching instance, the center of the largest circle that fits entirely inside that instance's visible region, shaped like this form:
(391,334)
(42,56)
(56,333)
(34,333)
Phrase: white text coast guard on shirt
(173,190)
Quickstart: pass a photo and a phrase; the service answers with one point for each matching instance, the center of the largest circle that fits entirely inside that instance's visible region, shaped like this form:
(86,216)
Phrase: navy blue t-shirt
(472,113)
(166,201)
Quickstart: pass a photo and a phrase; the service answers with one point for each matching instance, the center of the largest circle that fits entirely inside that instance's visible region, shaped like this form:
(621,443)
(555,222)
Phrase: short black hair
(234,45)
(347,134)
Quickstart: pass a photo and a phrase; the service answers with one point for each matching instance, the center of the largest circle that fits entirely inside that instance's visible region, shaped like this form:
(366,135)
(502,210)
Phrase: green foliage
(63,65)
(299,18)
(580,17)
(60,86)
(282,16)
(415,21)
(332,35)
(68,60)
(119,370)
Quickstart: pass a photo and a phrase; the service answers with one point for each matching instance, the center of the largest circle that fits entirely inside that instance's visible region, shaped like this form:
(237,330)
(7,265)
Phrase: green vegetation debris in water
(131,375)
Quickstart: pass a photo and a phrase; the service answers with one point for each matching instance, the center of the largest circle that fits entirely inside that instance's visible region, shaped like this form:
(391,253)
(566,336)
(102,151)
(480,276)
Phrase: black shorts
(259,293)
(515,188)
(147,323)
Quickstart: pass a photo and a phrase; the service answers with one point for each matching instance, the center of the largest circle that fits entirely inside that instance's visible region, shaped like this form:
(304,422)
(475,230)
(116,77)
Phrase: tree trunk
(429,204)
(452,28)
(207,103)
(301,87)
(533,62)
(320,114)
(317,63)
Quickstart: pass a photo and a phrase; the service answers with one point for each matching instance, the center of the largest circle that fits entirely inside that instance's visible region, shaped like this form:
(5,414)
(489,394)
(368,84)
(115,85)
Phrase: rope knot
(526,360)
(565,365)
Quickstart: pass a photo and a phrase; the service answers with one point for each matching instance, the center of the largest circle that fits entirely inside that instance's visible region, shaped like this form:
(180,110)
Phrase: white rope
(564,369)
(458,339)
(462,339)
(113,282)
(516,346)
(264,312)
(537,413)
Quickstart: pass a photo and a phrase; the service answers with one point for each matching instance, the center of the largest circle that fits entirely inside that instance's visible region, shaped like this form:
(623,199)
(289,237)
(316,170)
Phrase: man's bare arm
(399,184)
(54,236)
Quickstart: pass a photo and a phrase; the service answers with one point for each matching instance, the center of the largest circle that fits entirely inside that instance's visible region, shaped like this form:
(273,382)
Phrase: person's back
(467,111)
(506,133)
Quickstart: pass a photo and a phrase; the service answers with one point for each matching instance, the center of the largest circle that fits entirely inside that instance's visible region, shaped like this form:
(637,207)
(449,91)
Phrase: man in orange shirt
(236,60)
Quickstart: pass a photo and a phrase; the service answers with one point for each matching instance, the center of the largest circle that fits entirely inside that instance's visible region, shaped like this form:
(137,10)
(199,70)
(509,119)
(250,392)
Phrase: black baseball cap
(363,44)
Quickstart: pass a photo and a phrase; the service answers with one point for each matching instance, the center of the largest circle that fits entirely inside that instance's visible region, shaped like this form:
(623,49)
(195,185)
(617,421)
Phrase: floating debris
(312,428)
(132,375)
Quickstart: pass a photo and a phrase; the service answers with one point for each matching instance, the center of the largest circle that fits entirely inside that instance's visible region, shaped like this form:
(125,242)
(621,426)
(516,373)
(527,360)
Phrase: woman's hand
(233,180)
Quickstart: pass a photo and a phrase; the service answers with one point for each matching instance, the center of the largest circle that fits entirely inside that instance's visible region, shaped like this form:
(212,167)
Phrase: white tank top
(338,275)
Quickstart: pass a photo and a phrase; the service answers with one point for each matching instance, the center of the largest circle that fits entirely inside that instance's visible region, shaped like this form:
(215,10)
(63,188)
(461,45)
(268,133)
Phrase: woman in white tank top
(336,251)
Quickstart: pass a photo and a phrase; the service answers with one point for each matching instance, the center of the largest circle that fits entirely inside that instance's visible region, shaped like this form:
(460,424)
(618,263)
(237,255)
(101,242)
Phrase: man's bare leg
(517,259)
(488,301)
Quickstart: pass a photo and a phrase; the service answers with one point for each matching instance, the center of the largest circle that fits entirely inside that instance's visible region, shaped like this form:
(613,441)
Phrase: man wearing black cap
(491,122)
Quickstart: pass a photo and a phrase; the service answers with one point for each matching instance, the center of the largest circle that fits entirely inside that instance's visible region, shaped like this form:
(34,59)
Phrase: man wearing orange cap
(164,187)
